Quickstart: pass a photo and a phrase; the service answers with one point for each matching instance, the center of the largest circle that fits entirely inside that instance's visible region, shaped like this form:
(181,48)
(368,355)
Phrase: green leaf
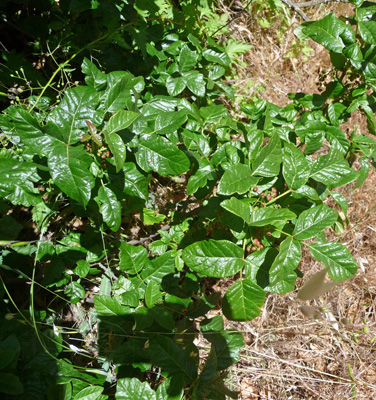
(94,77)
(107,306)
(162,316)
(237,207)
(295,167)
(333,170)
(313,221)
(171,389)
(133,389)
(70,171)
(227,345)
(158,268)
(118,149)
(152,294)
(341,201)
(243,300)
(367,31)
(337,258)
(281,274)
(363,173)
(10,384)
(195,83)
(327,32)
(82,269)
(89,393)
(216,56)
(75,291)
(168,122)
(17,182)
(215,258)
(78,105)
(270,216)
(109,207)
(269,159)
(132,258)
(199,179)
(187,59)
(131,181)
(155,153)
(118,94)
(149,217)
(165,353)
(175,85)
(236,179)
(121,120)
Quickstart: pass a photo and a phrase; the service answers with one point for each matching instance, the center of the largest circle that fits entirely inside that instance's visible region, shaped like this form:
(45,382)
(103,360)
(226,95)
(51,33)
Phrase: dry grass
(287,355)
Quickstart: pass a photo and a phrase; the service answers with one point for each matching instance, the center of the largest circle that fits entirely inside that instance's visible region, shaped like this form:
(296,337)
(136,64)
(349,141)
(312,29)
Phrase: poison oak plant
(86,171)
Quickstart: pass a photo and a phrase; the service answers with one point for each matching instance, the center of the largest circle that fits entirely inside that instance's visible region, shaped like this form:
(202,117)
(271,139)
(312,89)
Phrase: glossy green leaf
(131,181)
(118,93)
(158,268)
(227,346)
(269,216)
(168,122)
(133,389)
(78,105)
(337,258)
(175,85)
(333,170)
(243,300)
(363,173)
(327,32)
(269,158)
(340,199)
(196,83)
(118,149)
(82,269)
(187,59)
(166,353)
(93,76)
(149,217)
(215,258)
(70,171)
(107,306)
(281,274)
(236,179)
(110,208)
(89,393)
(367,30)
(17,182)
(216,56)
(238,207)
(155,153)
(295,166)
(132,258)
(152,294)
(199,179)
(313,221)
(121,120)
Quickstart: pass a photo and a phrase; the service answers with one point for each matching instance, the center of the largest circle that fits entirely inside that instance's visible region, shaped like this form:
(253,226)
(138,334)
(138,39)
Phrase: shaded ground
(288,355)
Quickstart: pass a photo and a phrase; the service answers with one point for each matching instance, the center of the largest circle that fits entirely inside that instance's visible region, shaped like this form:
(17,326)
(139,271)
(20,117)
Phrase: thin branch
(296,7)
(146,239)
(318,2)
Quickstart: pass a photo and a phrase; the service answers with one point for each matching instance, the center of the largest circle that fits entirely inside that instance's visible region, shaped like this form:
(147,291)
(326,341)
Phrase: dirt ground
(289,355)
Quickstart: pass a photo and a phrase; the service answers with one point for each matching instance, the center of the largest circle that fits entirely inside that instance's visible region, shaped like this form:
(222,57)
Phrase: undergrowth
(125,198)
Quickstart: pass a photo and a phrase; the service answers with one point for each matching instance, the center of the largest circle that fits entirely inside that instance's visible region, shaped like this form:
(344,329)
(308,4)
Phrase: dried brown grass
(288,356)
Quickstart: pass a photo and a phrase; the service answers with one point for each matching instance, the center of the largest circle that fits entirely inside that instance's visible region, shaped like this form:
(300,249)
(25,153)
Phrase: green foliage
(88,172)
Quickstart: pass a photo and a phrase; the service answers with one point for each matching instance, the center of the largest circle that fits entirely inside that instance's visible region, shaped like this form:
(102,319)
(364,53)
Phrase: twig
(234,18)
(318,2)
(296,7)
(152,236)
